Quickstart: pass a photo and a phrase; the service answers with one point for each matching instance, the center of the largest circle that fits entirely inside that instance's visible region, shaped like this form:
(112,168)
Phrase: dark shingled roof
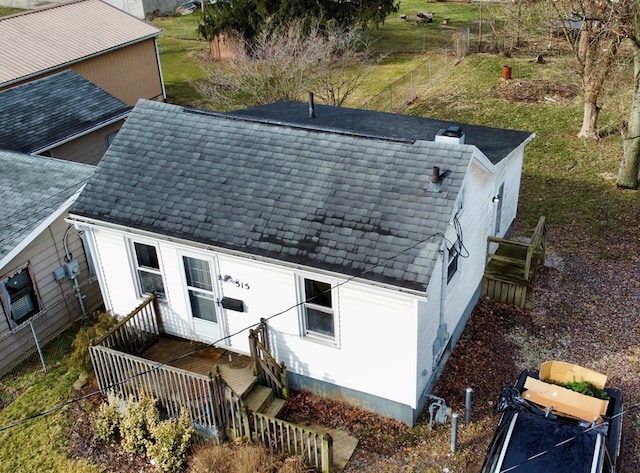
(31,189)
(40,113)
(330,200)
(495,143)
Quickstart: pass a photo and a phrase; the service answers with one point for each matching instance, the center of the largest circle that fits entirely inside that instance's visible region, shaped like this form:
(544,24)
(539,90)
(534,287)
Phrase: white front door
(201,293)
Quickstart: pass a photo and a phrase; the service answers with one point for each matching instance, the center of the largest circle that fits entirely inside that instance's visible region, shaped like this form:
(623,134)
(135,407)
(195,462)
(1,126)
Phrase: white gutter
(97,127)
(94,223)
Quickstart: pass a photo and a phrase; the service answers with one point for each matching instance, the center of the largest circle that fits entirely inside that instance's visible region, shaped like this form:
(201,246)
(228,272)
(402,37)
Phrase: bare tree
(589,28)
(286,63)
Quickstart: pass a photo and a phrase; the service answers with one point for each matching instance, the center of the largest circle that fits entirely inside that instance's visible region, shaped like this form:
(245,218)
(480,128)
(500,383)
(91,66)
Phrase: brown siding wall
(87,149)
(129,73)
(45,254)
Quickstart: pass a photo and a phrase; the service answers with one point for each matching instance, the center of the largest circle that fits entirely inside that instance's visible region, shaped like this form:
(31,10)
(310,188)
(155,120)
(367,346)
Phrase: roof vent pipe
(312,107)
(435,175)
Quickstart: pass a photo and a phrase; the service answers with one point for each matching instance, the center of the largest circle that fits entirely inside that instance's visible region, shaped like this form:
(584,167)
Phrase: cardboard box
(564,401)
(561,372)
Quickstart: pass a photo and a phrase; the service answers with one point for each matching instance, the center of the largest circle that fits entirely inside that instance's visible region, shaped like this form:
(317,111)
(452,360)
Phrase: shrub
(107,421)
(241,458)
(137,424)
(80,357)
(171,442)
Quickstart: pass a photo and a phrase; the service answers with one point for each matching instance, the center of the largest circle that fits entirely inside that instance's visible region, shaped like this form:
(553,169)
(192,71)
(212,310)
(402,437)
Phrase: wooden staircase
(261,399)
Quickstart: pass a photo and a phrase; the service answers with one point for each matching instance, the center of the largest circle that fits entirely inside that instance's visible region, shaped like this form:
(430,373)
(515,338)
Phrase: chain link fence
(407,89)
(43,343)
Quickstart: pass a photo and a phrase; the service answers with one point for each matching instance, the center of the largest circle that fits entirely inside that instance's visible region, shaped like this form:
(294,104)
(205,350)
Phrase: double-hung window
(19,296)
(147,268)
(318,309)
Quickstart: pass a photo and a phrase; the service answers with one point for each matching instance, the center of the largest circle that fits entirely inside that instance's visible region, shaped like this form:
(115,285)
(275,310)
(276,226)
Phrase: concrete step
(275,407)
(258,398)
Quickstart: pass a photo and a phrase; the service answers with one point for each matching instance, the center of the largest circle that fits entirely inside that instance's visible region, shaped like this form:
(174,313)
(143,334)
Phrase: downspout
(155,45)
(442,335)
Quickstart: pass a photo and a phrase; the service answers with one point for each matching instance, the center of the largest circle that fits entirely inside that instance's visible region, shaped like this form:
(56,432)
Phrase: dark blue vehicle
(531,440)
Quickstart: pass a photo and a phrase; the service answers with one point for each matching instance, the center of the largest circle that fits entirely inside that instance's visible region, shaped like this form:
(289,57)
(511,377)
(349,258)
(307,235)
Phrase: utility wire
(238,332)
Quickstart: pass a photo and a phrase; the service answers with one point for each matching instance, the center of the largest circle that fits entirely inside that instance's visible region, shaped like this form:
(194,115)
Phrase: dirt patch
(536,90)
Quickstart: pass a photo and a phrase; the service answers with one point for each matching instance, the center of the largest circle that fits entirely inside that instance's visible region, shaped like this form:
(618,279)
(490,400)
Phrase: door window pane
(203,306)
(197,272)
(200,287)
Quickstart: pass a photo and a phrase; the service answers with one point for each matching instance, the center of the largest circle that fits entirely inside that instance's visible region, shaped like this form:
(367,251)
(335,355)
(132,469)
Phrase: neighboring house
(37,297)
(105,45)
(358,236)
(61,116)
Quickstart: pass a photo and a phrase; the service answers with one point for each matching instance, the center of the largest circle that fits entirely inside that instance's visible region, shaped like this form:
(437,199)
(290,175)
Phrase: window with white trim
(147,269)
(19,296)
(318,309)
(452,265)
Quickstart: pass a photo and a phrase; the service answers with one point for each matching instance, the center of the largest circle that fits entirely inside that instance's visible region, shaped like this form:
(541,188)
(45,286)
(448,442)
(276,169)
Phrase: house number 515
(237,282)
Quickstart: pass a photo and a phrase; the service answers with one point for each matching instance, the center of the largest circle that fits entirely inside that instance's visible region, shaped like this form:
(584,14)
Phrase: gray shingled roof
(322,199)
(495,143)
(31,189)
(35,115)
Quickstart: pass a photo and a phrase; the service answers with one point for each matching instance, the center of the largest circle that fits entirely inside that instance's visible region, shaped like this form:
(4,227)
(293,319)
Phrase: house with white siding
(46,283)
(358,237)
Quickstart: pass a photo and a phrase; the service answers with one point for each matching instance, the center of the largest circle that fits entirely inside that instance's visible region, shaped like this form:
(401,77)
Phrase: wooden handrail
(264,363)
(537,244)
(153,321)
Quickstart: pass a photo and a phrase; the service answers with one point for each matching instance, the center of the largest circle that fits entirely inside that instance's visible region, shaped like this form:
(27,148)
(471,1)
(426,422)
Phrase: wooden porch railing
(130,378)
(315,448)
(265,366)
(520,258)
(137,331)
(511,266)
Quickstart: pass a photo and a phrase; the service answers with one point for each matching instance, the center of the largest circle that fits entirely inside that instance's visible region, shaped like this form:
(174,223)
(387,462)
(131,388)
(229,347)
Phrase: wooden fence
(137,331)
(315,448)
(131,378)
(265,366)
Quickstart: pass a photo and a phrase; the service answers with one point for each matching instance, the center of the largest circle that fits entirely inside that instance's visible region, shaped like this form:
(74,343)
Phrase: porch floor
(199,358)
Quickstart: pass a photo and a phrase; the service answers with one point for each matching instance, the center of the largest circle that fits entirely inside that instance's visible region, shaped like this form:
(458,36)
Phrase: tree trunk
(590,116)
(630,166)
(597,56)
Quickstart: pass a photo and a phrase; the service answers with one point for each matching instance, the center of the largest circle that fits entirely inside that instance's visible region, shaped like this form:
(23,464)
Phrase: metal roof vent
(452,134)
(435,184)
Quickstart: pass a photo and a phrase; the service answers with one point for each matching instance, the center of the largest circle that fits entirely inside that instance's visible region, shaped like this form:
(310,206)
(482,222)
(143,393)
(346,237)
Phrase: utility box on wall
(72,269)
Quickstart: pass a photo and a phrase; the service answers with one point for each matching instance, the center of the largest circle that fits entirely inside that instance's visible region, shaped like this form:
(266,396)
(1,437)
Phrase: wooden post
(156,312)
(246,427)
(327,453)
(285,381)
